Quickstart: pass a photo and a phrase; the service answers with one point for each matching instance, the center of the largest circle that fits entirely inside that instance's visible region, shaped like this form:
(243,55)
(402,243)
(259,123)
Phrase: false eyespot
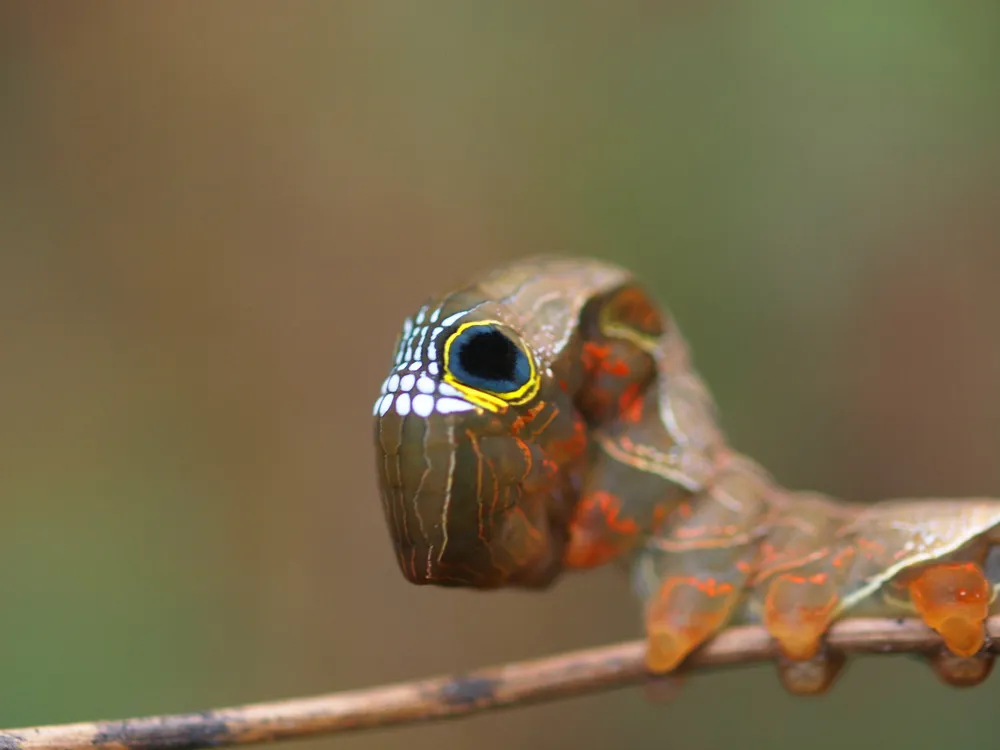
(489,365)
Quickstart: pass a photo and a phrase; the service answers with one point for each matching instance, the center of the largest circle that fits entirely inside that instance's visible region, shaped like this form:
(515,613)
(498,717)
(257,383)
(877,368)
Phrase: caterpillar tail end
(954,600)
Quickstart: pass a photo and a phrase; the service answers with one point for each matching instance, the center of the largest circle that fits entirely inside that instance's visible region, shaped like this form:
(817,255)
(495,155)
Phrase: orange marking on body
(474,442)
(598,532)
(843,557)
(526,452)
(610,507)
(954,599)
(797,612)
(630,404)
(572,446)
(593,355)
(496,486)
(585,551)
(569,448)
(870,548)
(526,418)
(773,567)
(617,367)
(544,425)
(684,613)
(632,306)
(767,551)
(579,439)
(597,358)
(696,532)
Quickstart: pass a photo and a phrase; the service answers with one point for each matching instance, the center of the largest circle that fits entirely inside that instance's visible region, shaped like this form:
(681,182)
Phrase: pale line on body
(446,506)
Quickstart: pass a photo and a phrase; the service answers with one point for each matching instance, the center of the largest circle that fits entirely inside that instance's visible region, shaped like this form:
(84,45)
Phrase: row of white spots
(433,318)
(410,371)
(413,339)
(449,399)
(421,404)
(404,383)
(415,336)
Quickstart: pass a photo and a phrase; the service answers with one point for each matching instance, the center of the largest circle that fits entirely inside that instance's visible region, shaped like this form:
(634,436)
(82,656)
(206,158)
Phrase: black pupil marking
(483,357)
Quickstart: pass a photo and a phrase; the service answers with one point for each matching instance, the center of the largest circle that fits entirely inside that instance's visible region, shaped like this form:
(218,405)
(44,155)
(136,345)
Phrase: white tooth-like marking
(435,315)
(452,405)
(403,404)
(416,365)
(393,383)
(452,318)
(436,332)
(406,382)
(420,341)
(384,405)
(413,346)
(385,386)
(420,316)
(425,384)
(432,352)
(423,405)
(449,390)
(432,368)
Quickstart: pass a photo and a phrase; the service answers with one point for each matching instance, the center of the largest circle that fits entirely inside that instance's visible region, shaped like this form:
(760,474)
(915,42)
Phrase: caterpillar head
(467,466)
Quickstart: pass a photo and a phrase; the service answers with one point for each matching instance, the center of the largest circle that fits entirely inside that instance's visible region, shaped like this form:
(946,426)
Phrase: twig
(516,684)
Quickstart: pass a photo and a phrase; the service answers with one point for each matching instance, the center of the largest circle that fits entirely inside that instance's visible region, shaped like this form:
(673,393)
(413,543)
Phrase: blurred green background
(213,217)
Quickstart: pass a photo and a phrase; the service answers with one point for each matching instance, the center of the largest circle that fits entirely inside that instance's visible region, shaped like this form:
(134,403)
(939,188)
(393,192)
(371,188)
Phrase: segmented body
(548,417)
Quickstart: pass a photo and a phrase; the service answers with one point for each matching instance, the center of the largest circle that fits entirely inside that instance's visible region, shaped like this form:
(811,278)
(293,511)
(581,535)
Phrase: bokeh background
(213,217)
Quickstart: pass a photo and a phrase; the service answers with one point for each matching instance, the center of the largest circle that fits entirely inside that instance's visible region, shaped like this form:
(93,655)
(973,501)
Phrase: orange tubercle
(684,614)
(954,599)
(797,612)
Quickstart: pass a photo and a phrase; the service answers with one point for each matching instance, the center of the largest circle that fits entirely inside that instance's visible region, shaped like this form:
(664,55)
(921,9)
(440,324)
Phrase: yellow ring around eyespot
(495,402)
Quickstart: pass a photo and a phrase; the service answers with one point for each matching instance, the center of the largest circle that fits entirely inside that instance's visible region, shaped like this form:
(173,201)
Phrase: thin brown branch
(516,684)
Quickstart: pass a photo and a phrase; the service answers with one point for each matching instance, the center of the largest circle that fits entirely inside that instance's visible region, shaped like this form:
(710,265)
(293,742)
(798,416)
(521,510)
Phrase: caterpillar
(548,417)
